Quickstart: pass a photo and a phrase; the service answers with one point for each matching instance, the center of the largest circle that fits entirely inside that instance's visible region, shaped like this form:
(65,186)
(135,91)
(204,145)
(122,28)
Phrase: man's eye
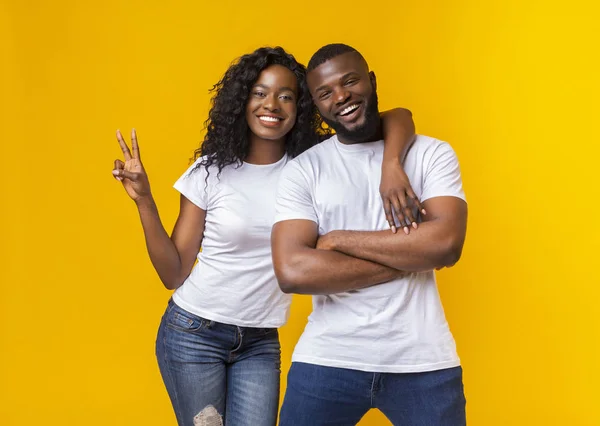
(324,95)
(350,82)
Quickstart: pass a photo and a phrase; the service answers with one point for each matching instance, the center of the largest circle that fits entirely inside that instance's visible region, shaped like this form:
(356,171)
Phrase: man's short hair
(328,52)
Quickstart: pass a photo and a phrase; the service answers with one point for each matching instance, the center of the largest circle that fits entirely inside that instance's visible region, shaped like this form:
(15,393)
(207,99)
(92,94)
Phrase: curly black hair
(226,141)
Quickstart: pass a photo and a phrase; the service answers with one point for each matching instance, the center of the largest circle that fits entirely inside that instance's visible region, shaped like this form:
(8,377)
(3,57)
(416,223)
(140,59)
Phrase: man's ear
(373,79)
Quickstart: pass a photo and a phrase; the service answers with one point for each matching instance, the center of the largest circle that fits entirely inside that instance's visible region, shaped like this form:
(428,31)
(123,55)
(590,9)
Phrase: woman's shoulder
(207,166)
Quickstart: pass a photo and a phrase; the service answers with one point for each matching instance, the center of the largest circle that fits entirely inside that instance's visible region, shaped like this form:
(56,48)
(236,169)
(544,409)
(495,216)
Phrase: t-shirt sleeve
(442,176)
(294,195)
(192,185)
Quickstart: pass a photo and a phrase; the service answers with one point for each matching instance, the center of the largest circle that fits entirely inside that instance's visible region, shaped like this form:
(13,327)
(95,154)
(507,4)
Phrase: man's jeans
(235,369)
(318,395)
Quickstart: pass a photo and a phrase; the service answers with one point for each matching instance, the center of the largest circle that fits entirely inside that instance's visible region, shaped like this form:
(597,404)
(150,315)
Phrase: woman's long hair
(226,141)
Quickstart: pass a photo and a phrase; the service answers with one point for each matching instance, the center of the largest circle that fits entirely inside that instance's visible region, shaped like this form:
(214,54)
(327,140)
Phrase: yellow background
(512,85)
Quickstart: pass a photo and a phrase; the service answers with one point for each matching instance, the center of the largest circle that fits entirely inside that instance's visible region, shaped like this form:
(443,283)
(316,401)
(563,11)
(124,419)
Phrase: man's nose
(341,96)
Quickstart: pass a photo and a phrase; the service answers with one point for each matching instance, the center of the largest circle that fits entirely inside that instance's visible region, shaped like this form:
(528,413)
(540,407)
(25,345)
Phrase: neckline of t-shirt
(355,147)
(266,166)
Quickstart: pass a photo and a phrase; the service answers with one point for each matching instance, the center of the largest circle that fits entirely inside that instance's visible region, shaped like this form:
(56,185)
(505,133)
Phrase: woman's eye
(259,94)
(324,95)
(287,98)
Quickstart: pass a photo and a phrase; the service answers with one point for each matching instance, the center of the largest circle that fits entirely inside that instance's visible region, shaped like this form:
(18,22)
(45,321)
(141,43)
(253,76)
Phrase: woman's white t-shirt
(233,281)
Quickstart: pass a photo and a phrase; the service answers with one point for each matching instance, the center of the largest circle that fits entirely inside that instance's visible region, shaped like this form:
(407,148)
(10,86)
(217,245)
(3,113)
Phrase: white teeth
(267,118)
(349,109)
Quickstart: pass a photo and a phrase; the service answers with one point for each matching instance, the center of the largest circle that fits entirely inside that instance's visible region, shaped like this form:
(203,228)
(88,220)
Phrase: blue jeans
(318,395)
(235,369)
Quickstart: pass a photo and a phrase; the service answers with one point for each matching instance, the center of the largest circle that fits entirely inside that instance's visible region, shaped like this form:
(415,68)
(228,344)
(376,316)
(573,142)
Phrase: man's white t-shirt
(395,327)
(233,281)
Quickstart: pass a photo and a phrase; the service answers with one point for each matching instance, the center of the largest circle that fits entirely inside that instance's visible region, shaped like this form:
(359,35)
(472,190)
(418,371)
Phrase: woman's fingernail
(423,211)
(406,231)
(414,224)
(393,229)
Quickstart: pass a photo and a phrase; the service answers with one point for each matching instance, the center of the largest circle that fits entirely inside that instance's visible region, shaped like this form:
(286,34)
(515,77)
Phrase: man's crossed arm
(348,260)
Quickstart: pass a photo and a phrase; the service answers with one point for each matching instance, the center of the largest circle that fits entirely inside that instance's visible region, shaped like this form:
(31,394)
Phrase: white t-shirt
(233,281)
(395,327)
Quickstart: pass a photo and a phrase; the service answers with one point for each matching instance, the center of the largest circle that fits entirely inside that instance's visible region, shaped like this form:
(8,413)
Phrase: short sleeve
(192,185)
(442,175)
(294,195)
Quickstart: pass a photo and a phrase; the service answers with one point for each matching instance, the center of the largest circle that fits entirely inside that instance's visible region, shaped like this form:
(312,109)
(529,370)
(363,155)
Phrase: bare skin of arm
(172,257)
(303,269)
(437,243)
(396,192)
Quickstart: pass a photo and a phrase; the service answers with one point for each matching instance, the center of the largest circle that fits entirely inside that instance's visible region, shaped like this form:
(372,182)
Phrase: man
(377,336)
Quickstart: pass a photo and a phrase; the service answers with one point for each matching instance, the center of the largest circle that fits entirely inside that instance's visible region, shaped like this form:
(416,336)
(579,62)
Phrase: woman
(218,343)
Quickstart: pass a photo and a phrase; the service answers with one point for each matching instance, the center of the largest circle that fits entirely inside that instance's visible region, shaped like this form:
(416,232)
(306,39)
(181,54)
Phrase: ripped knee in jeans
(209,416)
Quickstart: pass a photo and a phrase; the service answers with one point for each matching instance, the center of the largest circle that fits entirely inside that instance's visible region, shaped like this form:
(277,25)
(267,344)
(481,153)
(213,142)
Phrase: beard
(364,132)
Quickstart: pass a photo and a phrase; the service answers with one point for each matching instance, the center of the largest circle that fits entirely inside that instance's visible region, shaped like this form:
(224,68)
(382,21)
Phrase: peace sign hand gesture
(131,173)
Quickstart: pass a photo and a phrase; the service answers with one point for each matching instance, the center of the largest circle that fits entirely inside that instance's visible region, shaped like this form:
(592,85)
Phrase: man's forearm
(422,250)
(314,271)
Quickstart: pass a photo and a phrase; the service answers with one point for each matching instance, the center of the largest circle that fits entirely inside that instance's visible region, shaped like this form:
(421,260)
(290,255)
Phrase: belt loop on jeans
(170,304)
(241,335)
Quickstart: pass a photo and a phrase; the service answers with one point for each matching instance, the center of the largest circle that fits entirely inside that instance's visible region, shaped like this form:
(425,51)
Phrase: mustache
(367,129)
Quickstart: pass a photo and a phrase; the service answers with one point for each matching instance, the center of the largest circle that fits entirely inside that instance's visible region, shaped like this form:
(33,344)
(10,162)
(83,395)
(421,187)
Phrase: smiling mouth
(269,119)
(349,110)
